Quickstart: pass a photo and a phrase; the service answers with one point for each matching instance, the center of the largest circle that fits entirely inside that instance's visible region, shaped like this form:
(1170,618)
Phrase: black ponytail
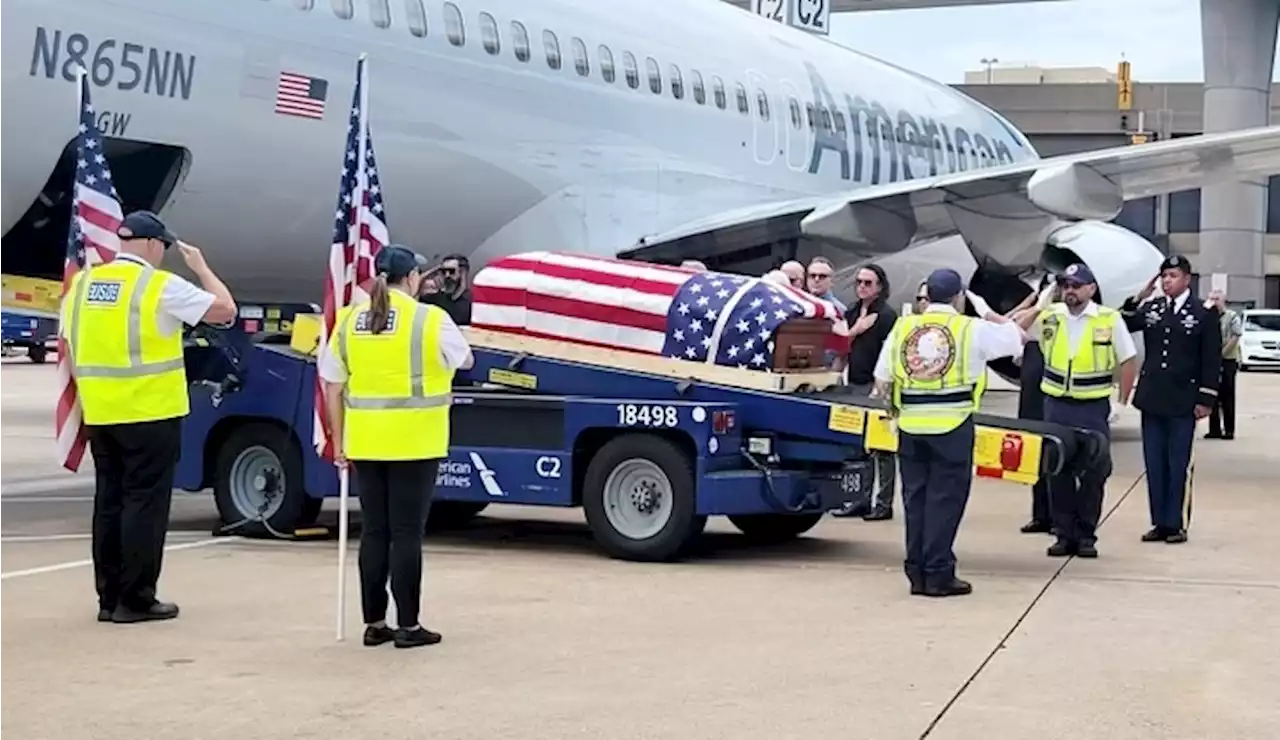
(379,304)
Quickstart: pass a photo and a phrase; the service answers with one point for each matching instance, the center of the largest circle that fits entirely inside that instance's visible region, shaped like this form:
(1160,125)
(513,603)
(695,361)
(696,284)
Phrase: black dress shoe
(955,587)
(1177,538)
(1036,526)
(104,614)
(157,611)
(1213,435)
(1061,549)
(1229,435)
(416,637)
(879,515)
(853,510)
(374,636)
(1087,550)
(1155,534)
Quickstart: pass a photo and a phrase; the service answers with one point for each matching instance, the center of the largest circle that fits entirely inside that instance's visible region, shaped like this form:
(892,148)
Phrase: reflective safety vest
(1088,373)
(931,389)
(398,390)
(125,369)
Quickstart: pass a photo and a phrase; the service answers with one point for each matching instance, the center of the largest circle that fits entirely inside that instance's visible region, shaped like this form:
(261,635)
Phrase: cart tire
(259,468)
(769,528)
(640,499)
(37,354)
(452,514)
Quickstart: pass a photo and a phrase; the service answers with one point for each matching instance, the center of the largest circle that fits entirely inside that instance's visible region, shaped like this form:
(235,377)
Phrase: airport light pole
(988,63)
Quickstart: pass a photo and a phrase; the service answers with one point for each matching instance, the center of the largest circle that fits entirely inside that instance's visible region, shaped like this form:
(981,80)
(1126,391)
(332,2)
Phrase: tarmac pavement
(546,638)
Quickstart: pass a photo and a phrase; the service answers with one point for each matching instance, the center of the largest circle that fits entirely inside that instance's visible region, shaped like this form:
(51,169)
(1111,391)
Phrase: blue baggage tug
(646,455)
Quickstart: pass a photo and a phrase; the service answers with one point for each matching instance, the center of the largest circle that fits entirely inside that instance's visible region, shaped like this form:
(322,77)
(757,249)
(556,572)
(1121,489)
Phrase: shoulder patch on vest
(928,352)
(103,292)
(362,322)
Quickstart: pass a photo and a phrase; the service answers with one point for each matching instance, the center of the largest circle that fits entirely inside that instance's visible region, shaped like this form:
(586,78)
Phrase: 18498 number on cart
(630,415)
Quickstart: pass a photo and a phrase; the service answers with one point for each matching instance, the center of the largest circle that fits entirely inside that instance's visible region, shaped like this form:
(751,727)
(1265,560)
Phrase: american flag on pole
(359,232)
(654,309)
(91,240)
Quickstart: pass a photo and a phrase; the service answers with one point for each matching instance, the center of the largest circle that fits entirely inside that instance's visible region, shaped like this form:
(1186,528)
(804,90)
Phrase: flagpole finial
(364,55)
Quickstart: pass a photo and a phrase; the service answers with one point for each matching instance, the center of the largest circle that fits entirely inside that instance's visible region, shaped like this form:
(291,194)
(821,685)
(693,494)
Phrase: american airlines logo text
(454,474)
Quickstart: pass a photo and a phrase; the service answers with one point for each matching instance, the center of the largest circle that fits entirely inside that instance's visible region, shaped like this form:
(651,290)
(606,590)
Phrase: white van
(1260,344)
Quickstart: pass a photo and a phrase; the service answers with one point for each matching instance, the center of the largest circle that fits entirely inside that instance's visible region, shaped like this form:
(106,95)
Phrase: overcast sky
(1160,38)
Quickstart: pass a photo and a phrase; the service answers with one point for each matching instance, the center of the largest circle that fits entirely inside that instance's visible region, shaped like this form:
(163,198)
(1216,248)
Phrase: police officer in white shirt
(933,368)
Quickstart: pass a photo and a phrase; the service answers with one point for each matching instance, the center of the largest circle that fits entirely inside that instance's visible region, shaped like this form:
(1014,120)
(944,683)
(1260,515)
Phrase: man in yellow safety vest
(122,321)
(936,365)
(1084,345)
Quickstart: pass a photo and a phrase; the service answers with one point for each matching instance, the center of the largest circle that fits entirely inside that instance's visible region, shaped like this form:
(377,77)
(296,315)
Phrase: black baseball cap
(1176,262)
(398,261)
(944,284)
(145,225)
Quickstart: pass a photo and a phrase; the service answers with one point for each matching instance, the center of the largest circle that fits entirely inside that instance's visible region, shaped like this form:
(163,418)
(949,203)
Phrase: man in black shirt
(452,288)
(871,320)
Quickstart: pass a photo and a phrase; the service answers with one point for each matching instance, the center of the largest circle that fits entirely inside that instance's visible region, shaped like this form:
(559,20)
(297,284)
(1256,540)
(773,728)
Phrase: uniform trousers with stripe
(1167,451)
(1077,492)
(937,476)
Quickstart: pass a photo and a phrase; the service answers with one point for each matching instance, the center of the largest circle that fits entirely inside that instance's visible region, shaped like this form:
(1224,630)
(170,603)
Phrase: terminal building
(1068,110)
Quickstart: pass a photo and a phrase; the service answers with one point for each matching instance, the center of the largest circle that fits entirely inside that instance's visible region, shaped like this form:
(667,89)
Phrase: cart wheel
(640,499)
(37,354)
(257,484)
(452,514)
(774,527)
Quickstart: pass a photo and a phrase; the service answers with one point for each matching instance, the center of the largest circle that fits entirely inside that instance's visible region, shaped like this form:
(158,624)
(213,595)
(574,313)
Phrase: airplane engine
(1121,261)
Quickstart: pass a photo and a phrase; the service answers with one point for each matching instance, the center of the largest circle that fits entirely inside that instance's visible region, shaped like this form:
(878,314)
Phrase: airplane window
(344,9)
(699,92)
(795,114)
(762,103)
(808,109)
(520,41)
(631,70)
(741,93)
(840,127)
(606,64)
(826,118)
(677,83)
(304,4)
(580,61)
(552,44)
(453,25)
(380,13)
(489,34)
(417,17)
(717,91)
(655,76)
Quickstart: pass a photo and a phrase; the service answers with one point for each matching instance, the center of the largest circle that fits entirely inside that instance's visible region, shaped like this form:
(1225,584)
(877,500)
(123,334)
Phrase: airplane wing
(1002,212)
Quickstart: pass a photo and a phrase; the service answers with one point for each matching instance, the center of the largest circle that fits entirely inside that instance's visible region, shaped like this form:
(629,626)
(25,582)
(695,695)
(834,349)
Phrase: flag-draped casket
(719,318)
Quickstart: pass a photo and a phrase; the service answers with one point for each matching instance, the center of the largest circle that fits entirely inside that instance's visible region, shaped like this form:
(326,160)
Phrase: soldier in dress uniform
(1177,387)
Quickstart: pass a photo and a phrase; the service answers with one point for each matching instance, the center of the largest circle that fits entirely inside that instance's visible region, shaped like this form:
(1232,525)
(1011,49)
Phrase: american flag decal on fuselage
(300,95)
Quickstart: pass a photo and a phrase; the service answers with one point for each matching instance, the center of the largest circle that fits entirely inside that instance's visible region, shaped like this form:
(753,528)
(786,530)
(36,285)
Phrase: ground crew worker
(122,321)
(1084,345)
(388,373)
(935,368)
(1177,388)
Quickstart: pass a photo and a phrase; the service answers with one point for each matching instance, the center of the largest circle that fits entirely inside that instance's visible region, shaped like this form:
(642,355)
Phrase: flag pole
(344,475)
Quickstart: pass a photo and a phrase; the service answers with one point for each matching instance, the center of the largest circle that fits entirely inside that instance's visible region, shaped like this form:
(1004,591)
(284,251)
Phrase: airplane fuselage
(527,125)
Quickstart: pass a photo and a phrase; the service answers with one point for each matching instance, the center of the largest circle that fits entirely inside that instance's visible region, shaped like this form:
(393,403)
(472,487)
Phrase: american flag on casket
(640,307)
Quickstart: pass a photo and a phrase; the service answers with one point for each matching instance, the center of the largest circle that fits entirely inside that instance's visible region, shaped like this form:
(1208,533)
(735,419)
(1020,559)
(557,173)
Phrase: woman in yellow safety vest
(388,369)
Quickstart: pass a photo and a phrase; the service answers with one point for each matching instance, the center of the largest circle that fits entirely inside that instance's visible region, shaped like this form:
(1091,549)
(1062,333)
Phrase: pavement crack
(1004,640)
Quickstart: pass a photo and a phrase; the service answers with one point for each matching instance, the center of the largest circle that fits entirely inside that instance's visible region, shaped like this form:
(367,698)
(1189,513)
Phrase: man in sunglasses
(450,288)
(1084,346)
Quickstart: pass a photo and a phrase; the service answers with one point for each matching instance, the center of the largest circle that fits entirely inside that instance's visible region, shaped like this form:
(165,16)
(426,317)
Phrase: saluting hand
(192,256)
(1148,289)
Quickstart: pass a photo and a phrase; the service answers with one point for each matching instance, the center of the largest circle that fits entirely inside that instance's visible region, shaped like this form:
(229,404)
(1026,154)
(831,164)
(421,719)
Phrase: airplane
(661,131)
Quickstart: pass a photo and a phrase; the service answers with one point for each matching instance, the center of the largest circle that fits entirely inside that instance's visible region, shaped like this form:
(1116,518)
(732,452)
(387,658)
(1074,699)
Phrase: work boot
(1061,549)
(157,611)
(1087,550)
(954,587)
(1177,538)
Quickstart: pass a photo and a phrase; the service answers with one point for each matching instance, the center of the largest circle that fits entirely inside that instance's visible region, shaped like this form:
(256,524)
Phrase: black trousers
(395,498)
(1167,446)
(936,472)
(133,467)
(1223,418)
(1077,493)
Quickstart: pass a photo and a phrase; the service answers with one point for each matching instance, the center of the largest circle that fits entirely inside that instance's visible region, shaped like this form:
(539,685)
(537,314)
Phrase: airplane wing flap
(1021,198)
